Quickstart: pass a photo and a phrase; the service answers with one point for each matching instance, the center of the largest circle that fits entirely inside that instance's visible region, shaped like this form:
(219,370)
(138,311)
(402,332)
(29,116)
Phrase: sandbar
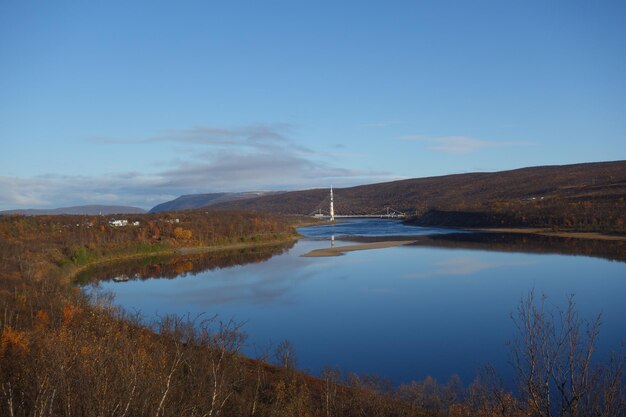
(340,250)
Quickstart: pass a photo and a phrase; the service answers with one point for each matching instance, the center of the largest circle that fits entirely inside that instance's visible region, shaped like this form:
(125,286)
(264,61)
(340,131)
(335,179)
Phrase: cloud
(241,171)
(18,192)
(229,168)
(258,157)
(251,137)
(51,191)
(256,136)
(218,160)
(459,144)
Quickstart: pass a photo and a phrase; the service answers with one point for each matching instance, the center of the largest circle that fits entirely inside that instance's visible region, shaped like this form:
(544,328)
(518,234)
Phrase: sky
(136,103)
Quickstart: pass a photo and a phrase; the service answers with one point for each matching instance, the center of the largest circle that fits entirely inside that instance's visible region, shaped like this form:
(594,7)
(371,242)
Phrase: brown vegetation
(589,197)
(168,266)
(64,353)
(73,241)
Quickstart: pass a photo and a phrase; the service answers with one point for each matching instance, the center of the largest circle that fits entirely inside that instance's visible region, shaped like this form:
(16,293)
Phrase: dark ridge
(194,201)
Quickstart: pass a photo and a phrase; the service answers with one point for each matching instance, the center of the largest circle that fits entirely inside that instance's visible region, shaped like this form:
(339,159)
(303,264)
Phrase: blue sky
(139,102)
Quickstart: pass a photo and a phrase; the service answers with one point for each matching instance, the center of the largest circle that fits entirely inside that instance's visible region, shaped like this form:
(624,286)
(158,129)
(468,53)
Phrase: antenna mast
(332,208)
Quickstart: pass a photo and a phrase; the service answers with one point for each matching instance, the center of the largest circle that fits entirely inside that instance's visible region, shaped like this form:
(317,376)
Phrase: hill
(78,210)
(585,196)
(193,201)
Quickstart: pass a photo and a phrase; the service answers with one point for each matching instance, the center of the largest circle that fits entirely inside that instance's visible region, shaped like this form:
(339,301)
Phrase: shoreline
(547,232)
(70,276)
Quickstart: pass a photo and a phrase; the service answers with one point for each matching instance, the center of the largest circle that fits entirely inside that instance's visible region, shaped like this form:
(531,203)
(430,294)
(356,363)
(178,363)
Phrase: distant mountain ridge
(194,201)
(78,210)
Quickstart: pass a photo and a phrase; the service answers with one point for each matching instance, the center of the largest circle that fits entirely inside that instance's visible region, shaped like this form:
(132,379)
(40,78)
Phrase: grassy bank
(71,271)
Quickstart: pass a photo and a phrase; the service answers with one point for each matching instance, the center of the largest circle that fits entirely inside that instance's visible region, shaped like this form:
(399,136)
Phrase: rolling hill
(193,201)
(589,194)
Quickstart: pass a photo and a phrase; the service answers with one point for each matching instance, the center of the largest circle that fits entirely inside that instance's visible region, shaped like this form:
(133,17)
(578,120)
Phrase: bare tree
(331,378)
(285,354)
(226,342)
(552,356)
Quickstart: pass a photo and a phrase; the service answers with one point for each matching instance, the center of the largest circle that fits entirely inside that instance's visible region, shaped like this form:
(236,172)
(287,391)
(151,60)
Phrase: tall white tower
(332,208)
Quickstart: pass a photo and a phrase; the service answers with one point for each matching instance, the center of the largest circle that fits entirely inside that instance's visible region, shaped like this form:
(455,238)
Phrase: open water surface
(403,312)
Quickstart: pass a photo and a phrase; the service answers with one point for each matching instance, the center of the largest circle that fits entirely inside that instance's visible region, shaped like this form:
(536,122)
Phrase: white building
(118,223)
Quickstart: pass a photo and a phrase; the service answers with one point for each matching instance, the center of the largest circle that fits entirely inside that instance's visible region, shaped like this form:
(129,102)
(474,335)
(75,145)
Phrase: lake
(439,307)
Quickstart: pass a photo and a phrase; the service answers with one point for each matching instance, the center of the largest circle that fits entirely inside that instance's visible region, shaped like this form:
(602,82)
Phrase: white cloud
(250,137)
(51,191)
(459,144)
(17,191)
(216,160)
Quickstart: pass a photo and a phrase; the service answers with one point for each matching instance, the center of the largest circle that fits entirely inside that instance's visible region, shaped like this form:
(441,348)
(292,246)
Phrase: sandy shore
(545,232)
(340,250)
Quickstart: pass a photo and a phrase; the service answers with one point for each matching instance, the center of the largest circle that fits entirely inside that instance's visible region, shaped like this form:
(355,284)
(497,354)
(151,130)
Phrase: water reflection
(375,230)
(465,265)
(527,243)
(437,307)
(367,227)
(174,266)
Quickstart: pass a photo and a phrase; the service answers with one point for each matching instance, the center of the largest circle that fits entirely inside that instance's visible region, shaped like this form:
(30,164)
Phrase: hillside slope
(193,201)
(593,193)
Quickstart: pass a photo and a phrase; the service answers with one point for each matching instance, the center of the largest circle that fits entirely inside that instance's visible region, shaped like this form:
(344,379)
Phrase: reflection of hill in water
(614,250)
(176,265)
(516,242)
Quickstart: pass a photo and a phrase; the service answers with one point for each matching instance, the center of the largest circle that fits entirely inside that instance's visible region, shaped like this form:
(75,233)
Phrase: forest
(64,352)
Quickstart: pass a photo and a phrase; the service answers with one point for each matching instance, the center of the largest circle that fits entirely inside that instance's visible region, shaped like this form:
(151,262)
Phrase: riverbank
(547,232)
(71,275)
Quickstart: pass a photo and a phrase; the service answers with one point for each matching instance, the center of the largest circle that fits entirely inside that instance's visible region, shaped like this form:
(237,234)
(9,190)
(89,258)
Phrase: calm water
(402,313)
(368,227)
